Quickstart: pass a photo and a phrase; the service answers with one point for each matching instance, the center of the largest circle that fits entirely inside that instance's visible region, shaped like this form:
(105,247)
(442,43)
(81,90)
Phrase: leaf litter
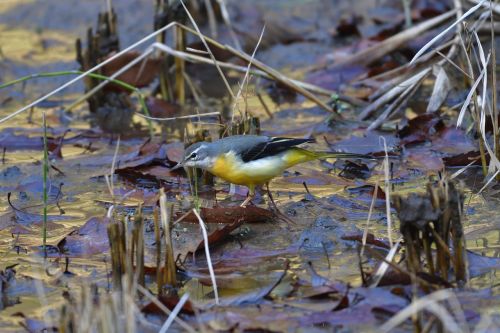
(271,274)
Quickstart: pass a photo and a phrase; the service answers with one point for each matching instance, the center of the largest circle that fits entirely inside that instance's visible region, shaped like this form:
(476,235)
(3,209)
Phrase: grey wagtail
(252,160)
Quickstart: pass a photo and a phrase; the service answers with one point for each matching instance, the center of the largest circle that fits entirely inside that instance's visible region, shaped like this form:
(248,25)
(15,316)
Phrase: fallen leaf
(169,302)
(139,75)
(370,239)
(231,215)
(461,160)
(220,234)
(367,190)
(159,108)
(89,239)
(421,128)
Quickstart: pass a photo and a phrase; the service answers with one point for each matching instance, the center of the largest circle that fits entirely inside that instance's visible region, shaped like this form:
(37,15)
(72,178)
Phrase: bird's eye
(193,156)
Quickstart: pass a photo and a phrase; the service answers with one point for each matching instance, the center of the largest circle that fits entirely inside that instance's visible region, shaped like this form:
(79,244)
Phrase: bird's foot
(247,201)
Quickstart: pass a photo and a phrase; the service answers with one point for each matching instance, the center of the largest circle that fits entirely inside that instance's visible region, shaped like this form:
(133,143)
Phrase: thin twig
(302,88)
(377,51)
(382,269)
(398,102)
(202,37)
(245,78)
(391,94)
(387,188)
(451,62)
(427,302)
(180,117)
(45,172)
(370,211)
(207,254)
(175,312)
(442,34)
(163,308)
(227,21)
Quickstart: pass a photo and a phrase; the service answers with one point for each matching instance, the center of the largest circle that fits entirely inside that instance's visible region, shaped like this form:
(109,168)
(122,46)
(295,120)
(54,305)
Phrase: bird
(252,160)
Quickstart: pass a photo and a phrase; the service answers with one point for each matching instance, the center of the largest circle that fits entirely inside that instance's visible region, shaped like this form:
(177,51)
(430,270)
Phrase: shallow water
(39,36)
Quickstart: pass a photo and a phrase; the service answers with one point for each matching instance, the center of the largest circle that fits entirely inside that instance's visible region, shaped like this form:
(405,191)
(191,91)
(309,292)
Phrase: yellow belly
(233,170)
(259,172)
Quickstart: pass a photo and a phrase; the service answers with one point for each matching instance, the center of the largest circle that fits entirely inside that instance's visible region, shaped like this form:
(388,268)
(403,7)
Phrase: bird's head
(198,155)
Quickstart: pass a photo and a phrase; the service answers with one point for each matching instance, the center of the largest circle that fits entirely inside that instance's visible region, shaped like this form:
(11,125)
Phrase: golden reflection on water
(6,5)
(28,47)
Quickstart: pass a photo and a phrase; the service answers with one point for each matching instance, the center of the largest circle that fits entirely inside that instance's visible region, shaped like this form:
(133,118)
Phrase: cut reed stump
(137,246)
(127,251)
(111,108)
(117,243)
(431,225)
(99,45)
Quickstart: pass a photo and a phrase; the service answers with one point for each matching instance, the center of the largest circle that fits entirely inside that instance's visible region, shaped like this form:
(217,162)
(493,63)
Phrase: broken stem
(180,87)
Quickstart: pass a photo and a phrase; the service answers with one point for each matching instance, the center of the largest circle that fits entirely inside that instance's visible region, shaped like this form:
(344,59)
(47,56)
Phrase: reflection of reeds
(431,225)
(169,273)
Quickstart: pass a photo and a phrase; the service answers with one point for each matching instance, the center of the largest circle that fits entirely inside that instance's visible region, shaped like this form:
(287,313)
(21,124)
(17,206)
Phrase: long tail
(334,154)
(300,155)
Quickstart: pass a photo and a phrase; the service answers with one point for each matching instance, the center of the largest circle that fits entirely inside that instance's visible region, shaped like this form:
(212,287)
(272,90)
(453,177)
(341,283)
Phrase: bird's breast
(232,169)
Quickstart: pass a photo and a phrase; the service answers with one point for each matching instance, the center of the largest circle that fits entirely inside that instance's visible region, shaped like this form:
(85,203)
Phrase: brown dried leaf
(139,75)
(229,215)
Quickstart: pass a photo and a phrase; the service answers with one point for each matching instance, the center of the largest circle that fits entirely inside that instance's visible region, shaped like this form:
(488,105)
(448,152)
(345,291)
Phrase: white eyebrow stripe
(196,150)
(275,140)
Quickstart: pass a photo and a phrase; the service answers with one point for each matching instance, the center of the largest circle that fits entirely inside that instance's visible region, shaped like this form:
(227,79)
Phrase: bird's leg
(277,211)
(251,195)
(247,201)
(271,197)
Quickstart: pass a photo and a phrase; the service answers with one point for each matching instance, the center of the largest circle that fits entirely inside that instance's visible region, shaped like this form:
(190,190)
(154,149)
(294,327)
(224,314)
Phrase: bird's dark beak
(178,166)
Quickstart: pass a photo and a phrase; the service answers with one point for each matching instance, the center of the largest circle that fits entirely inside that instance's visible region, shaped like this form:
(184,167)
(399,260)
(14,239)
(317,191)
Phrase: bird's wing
(270,147)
